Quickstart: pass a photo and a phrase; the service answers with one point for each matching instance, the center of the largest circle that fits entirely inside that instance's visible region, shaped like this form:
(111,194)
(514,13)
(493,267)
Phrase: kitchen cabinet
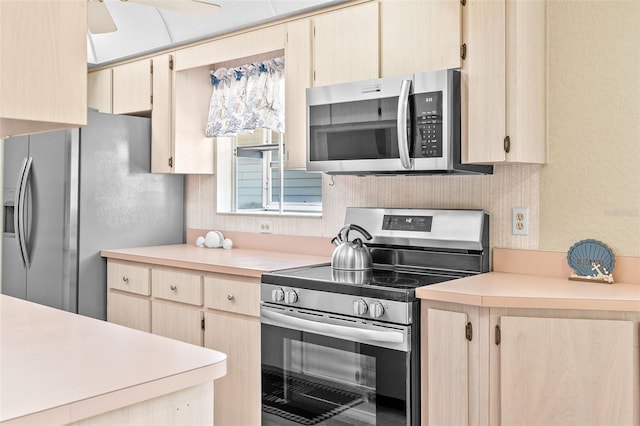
(232,326)
(132,88)
(126,283)
(504,78)
(345,45)
(577,370)
(298,77)
(532,366)
(177,320)
(99,89)
(435,36)
(218,311)
(43,66)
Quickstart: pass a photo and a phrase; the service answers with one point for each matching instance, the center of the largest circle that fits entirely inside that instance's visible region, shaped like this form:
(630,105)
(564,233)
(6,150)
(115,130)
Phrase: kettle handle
(360,229)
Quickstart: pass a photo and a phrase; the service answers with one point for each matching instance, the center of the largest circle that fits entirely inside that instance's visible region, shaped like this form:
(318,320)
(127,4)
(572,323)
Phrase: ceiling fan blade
(99,19)
(190,7)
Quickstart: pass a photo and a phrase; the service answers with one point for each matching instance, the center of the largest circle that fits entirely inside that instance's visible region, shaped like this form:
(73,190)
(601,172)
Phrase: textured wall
(591,186)
(509,186)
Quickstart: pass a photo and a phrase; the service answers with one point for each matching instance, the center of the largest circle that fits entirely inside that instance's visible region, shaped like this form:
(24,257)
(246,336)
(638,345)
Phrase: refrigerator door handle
(21,219)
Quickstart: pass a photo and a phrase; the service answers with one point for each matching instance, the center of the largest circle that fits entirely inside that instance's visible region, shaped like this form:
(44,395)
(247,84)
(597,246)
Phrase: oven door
(329,370)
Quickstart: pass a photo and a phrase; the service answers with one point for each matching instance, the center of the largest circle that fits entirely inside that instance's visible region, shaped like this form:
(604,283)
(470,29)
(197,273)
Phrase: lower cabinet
(502,366)
(218,311)
(232,326)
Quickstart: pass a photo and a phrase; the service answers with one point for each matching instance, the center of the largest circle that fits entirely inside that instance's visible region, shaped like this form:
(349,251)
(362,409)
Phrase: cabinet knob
(125,278)
(173,287)
(230,296)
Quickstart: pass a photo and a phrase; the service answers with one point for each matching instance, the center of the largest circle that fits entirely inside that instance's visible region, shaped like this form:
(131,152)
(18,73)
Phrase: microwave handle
(403,139)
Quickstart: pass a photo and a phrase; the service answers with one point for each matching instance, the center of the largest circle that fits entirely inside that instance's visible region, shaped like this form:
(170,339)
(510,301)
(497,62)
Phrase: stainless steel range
(341,346)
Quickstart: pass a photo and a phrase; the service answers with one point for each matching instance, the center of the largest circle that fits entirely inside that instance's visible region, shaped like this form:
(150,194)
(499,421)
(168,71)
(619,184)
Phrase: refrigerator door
(48,242)
(14,273)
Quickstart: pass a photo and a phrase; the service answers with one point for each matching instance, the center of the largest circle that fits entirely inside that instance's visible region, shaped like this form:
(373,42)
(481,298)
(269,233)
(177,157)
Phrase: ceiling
(145,29)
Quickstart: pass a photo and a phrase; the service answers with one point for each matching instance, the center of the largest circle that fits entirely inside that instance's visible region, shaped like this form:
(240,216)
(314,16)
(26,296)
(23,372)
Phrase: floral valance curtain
(247,98)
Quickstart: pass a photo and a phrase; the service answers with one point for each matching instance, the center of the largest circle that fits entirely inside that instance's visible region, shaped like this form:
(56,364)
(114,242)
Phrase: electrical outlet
(265,227)
(520,221)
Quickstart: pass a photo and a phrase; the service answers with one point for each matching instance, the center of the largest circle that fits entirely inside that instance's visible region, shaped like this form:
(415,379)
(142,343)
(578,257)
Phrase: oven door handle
(333,330)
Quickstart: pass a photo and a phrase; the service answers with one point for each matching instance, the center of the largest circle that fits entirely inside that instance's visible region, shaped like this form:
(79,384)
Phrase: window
(256,181)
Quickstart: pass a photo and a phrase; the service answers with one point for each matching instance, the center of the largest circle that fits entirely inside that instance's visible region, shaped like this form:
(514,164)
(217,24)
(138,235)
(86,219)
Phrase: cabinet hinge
(202,323)
(170,161)
(468,331)
(497,339)
(170,62)
(151,99)
(507,144)
(314,75)
(151,66)
(463,51)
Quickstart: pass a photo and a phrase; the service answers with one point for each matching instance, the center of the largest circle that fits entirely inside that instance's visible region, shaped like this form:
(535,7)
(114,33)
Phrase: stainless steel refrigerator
(70,194)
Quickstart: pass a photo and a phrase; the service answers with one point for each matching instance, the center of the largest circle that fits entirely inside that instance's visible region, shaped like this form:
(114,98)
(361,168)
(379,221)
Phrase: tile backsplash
(510,186)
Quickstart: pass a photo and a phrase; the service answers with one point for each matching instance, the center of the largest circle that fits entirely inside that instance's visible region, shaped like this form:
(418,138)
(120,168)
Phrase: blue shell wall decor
(591,259)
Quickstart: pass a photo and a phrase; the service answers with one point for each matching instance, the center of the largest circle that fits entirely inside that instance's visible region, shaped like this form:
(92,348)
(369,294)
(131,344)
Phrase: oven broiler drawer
(347,328)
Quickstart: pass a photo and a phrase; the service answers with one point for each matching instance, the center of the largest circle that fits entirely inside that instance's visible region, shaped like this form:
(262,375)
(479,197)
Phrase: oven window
(310,379)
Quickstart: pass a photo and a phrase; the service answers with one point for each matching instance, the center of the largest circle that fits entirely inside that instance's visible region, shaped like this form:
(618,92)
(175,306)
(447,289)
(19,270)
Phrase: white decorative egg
(227,244)
(200,241)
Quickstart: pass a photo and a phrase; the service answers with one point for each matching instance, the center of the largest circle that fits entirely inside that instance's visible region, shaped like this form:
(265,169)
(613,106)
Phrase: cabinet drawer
(232,293)
(178,285)
(128,276)
(130,311)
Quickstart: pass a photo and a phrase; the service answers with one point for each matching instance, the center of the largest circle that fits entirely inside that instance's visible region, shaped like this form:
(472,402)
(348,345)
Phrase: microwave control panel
(428,122)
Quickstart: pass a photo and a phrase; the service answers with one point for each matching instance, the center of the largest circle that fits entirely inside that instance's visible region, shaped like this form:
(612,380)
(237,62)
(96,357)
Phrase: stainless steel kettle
(351,255)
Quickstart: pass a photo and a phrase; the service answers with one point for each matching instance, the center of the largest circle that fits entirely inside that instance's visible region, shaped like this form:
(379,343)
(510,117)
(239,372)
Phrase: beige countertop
(57,367)
(511,290)
(237,261)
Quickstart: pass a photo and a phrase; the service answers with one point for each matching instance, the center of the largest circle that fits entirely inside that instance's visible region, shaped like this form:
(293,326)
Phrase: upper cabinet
(504,75)
(132,87)
(43,66)
(99,89)
(418,35)
(345,45)
(298,77)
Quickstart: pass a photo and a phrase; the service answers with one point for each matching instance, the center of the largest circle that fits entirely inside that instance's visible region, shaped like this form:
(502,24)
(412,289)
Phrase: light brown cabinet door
(132,87)
(238,394)
(99,90)
(129,311)
(447,372)
(566,371)
(177,322)
(43,66)
(161,114)
(298,77)
(345,45)
(504,79)
(418,35)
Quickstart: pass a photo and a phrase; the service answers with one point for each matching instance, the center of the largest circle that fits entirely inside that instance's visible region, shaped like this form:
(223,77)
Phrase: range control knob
(290,297)
(376,310)
(277,295)
(360,307)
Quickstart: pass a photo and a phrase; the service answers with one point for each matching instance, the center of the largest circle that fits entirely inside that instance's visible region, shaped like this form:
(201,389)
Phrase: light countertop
(510,290)
(57,367)
(237,261)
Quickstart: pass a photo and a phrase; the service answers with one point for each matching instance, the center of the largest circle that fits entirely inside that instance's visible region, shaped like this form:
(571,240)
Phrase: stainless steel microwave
(395,125)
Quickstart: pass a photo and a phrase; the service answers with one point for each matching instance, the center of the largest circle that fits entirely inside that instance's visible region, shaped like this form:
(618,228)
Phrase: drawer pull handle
(125,278)
(172,287)
(230,296)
